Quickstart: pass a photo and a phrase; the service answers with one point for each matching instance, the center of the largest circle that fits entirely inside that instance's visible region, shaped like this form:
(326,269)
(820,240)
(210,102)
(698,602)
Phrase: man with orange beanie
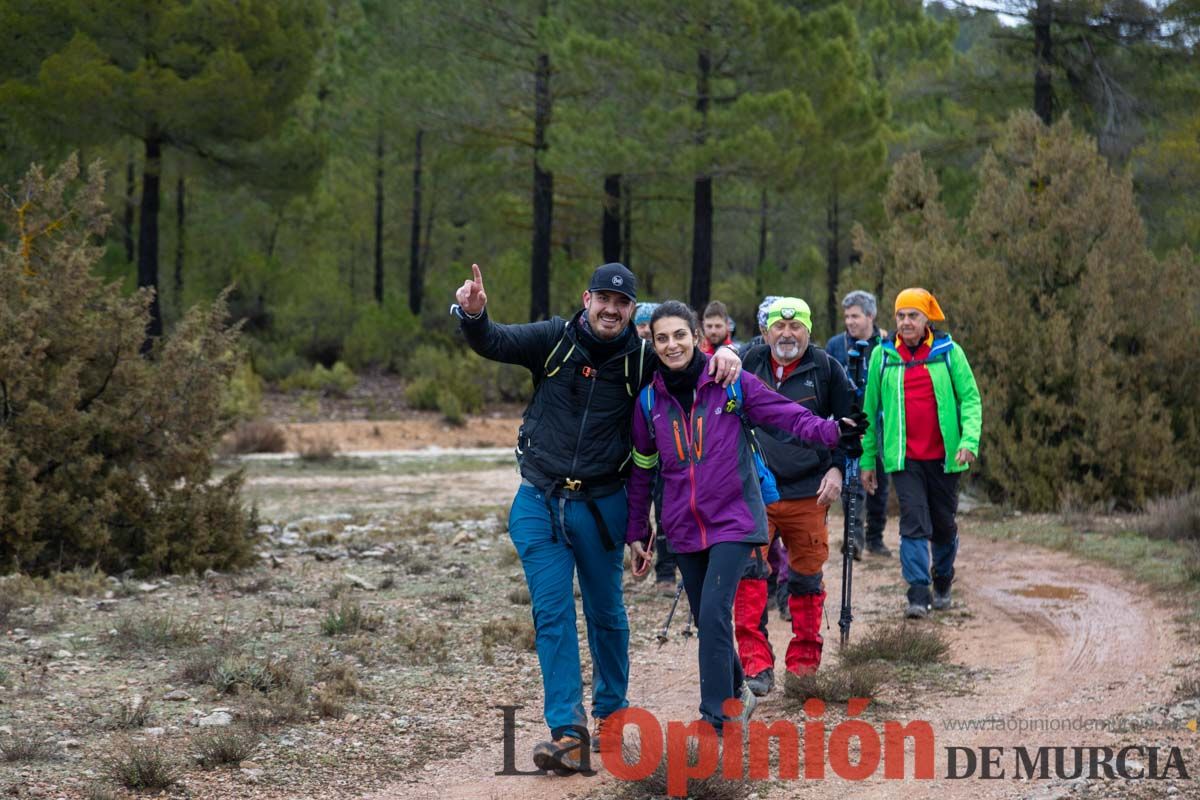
(921,386)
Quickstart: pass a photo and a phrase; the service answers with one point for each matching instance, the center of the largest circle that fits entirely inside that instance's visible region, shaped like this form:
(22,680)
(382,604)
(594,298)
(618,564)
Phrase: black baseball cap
(614,277)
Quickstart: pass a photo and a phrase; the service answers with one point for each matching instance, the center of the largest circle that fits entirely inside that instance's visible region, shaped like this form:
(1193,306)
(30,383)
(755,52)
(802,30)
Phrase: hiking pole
(851,488)
(662,635)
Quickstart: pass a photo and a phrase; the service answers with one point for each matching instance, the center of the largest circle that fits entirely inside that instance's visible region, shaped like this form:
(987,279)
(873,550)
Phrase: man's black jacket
(577,424)
(819,384)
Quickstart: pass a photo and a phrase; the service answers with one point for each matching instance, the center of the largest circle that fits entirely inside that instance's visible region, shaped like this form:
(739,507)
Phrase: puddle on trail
(1043,591)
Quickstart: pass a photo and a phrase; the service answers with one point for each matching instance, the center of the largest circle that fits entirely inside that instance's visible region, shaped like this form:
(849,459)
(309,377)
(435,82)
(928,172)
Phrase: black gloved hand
(850,441)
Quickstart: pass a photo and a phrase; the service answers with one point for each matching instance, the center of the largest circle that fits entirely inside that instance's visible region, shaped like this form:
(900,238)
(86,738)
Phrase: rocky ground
(364,656)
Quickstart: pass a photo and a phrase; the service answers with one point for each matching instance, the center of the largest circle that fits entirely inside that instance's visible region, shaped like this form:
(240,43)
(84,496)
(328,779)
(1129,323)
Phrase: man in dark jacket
(570,513)
(859,311)
(809,480)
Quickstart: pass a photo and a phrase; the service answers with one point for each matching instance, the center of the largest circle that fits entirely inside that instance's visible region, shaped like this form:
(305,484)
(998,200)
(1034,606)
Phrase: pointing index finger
(477,274)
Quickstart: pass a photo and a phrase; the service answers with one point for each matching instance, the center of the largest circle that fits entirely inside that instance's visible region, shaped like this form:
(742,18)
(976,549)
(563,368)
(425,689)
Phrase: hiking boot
(665,588)
(749,703)
(762,683)
(597,732)
(560,755)
(917,611)
(941,600)
(918,601)
(878,548)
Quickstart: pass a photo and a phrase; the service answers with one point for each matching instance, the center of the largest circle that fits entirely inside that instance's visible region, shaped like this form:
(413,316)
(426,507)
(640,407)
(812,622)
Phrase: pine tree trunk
(702,202)
(762,245)
(147,249)
(1043,89)
(627,231)
(416,271)
(379,218)
(130,208)
(610,229)
(180,228)
(543,197)
(833,264)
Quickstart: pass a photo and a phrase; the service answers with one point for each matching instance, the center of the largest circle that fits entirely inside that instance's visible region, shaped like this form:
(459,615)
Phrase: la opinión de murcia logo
(691,751)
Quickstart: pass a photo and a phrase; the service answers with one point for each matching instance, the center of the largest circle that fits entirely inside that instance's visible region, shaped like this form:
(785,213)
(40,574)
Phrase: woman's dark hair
(674,308)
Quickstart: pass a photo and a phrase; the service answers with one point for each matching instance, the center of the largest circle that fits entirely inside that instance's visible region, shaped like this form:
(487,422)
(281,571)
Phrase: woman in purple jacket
(712,507)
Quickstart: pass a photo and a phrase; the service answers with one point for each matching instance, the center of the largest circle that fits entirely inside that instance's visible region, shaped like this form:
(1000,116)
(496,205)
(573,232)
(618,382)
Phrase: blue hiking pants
(551,552)
(928,498)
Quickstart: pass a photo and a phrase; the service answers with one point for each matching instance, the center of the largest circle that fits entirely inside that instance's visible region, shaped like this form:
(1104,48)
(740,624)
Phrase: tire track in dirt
(1052,637)
(1060,641)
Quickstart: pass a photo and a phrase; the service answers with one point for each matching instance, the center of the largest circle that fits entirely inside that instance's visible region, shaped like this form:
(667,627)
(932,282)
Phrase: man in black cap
(569,514)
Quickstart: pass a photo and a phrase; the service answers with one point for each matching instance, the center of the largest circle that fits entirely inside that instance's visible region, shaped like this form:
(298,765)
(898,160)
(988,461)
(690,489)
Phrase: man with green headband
(809,479)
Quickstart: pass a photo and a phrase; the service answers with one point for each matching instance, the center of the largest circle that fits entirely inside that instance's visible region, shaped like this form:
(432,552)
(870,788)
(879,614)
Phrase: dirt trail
(1043,635)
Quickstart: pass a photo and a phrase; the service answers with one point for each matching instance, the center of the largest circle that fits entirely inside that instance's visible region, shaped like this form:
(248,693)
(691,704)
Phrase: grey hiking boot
(941,600)
(762,683)
(941,593)
(749,703)
(918,601)
(916,611)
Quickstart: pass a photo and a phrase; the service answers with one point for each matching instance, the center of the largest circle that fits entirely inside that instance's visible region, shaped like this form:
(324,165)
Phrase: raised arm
(527,345)
(765,406)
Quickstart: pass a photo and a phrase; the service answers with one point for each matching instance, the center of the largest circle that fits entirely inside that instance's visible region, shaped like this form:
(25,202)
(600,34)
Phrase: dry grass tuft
(835,685)
(902,643)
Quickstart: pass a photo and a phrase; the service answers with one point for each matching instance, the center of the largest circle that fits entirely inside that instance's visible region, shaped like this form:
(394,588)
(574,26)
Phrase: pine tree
(1047,286)
(195,76)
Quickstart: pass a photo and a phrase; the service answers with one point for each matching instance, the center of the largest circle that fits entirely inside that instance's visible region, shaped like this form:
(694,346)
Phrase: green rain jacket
(960,413)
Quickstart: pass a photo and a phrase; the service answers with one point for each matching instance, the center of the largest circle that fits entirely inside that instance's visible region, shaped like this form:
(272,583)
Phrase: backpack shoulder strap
(633,380)
(646,403)
(734,392)
(558,356)
(823,361)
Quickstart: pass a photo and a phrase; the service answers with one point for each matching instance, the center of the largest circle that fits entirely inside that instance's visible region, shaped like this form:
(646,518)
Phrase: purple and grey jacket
(710,486)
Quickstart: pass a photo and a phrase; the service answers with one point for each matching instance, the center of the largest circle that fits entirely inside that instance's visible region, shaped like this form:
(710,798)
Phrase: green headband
(789,308)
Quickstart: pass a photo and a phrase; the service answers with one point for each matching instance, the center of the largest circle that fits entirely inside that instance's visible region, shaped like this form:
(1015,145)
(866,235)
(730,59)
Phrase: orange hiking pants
(803,526)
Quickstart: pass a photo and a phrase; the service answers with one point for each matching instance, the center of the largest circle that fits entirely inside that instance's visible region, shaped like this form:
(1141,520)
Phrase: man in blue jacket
(570,513)
(859,310)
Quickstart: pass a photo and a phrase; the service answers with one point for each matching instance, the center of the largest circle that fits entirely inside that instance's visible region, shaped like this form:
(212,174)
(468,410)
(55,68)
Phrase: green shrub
(451,407)
(381,337)
(336,382)
(422,394)
(274,366)
(243,395)
(434,371)
(108,453)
